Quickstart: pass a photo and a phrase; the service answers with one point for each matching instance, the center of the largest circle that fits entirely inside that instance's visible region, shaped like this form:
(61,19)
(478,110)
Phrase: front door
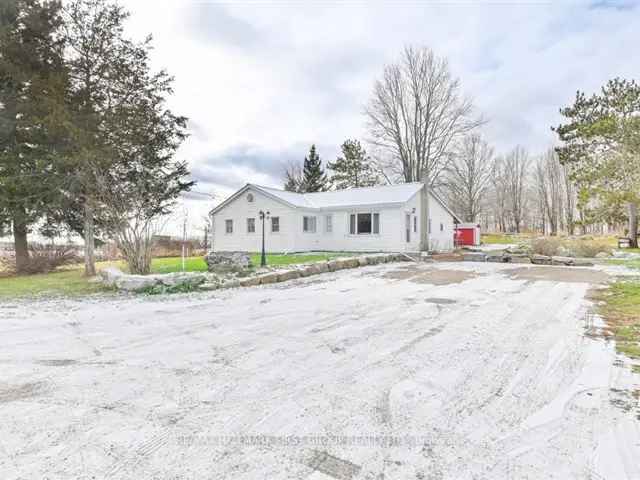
(407,226)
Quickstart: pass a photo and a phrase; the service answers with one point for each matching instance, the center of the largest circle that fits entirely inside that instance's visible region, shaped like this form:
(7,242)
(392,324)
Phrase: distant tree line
(422,128)
(87,143)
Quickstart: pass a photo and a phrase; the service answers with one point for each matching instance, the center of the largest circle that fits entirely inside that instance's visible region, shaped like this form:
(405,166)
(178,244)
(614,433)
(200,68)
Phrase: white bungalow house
(402,217)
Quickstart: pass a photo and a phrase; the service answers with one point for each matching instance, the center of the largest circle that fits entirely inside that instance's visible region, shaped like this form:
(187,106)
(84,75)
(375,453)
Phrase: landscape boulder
(288,275)
(268,278)
(351,262)
(227,261)
(519,258)
(136,283)
(250,281)
(540,259)
(560,260)
(191,279)
(109,276)
(474,257)
(334,265)
(603,255)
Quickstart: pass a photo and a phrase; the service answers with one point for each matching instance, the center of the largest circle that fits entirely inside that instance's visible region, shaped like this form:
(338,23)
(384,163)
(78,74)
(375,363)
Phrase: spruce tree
(33,82)
(354,168)
(314,178)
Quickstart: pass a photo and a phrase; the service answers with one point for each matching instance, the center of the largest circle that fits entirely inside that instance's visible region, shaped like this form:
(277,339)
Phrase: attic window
(250,198)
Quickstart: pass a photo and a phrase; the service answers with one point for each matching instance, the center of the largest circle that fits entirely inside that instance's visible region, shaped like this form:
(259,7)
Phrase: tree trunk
(633,224)
(89,255)
(21,244)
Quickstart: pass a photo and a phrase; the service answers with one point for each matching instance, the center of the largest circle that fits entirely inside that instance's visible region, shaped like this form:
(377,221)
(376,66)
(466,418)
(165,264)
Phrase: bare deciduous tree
(550,187)
(469,176)
(416,113)
(293,177)
(515,171)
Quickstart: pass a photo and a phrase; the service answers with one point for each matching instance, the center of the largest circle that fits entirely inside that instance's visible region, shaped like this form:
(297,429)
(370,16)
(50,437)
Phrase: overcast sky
(262,81)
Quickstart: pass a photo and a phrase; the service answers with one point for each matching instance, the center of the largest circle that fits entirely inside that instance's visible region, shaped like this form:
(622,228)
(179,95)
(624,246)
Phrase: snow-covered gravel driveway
(398,371)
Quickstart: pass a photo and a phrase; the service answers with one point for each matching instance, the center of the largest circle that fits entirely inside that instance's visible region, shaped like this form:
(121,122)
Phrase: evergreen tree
(124,136)
(601,145)
(354,168)
(314,178)
(33,83)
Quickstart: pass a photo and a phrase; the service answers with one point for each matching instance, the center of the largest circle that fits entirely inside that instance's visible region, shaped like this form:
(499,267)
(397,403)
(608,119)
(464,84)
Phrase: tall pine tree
(354,168)
(33,83)
(314,178)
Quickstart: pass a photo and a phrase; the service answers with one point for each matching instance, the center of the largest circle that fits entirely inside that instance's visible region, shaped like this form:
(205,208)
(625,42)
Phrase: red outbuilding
(467,234)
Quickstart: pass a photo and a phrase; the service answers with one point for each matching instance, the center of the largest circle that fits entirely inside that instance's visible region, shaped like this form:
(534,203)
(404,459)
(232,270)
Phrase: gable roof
(351,197)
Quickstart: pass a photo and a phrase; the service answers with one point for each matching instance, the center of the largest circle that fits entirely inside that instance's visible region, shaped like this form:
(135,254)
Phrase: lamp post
(263,258)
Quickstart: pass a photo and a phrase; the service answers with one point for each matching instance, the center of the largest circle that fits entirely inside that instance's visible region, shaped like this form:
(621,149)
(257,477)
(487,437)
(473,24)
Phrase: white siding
(239,210)
(440,240)
(292,238)
(339,239)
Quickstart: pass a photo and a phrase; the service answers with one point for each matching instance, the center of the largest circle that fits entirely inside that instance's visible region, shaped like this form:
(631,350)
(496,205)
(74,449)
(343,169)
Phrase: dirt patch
(558,274)
(333,466)
(57,362)
(11,393)
(431,276)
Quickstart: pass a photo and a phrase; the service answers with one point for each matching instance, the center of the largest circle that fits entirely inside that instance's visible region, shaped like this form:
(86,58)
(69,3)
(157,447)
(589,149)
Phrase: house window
(275,224)
(364,223)
(309,224)
(429,225)
(442,227)
(228,226)
(328,223)
(415,225)
(250,198)
(251,225)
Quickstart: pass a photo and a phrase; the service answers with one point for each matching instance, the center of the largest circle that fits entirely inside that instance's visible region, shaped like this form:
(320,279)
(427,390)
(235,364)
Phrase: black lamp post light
(263,258)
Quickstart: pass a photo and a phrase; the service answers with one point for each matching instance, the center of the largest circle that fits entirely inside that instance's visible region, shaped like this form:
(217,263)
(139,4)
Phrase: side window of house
(415,224)
(364,223)
(309,224)
(251,225)
(328,223)
(275,224)
(442,227)
(429,225)
(228,226)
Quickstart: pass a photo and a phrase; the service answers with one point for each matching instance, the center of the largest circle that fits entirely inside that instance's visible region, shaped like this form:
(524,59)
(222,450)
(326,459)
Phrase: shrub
(585,247)
(43,259)
(590,248)
(546,246)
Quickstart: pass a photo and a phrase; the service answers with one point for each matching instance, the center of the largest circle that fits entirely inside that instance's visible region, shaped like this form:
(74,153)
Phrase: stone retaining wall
(115,278)
(306,270)
(524,258)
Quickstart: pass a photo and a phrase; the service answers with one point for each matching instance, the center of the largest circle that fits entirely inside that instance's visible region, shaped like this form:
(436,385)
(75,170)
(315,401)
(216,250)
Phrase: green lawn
(621,310)
(64,283)
(71,282)
(502,238)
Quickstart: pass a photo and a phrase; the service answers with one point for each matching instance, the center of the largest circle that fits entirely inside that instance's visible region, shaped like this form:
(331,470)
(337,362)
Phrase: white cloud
(268,79)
